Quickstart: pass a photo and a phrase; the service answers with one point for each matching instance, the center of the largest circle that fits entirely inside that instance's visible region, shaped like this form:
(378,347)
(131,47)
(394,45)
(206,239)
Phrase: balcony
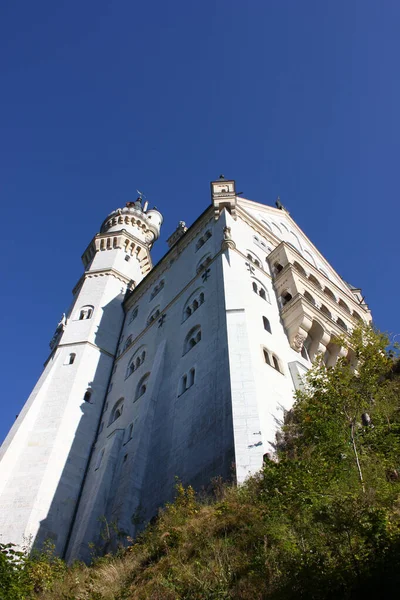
(313,309)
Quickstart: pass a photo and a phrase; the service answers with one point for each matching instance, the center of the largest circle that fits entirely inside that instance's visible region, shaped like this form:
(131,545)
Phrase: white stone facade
(181,370)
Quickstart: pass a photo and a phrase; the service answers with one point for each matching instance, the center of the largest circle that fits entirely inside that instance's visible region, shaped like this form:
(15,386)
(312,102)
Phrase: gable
(283,228)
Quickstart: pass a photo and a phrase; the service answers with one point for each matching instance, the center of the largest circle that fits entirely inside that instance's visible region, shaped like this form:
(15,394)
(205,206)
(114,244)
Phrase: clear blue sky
(298,98)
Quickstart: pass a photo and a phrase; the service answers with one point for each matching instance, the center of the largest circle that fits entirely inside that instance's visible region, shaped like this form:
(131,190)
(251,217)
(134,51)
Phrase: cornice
(101,273)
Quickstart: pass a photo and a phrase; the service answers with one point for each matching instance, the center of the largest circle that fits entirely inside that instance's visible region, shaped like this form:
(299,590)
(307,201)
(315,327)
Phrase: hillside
(321,522)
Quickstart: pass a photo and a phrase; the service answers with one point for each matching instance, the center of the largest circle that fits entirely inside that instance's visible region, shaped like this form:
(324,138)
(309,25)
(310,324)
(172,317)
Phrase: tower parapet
(136,220)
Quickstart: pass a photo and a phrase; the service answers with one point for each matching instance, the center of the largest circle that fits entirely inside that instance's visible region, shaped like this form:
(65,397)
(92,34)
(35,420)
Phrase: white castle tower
(188,374)
(45,456)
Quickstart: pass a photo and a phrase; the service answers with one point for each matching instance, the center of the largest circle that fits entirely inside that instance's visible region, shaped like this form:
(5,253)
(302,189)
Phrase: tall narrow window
(276,363)
(267,325)
(70,359)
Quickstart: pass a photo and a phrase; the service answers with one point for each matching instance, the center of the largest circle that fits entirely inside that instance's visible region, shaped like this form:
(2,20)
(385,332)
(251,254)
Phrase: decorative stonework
(224,196)
(298,342)
(227,242)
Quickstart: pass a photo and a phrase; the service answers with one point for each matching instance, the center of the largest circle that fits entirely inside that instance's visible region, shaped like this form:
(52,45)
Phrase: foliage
(320,521)
(24,574)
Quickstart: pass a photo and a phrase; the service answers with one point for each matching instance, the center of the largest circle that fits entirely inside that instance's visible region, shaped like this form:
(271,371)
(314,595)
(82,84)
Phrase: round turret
(144,225)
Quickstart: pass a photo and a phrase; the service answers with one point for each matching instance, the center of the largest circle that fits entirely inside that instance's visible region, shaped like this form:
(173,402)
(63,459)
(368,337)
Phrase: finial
(279,204)
(221,177)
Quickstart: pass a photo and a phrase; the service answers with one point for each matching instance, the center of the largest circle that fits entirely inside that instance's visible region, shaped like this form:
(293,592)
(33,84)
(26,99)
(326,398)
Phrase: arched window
(202,240)
(142,386)
(276,363)
(277,268)
(85,312)
(155,313)
(116,411)
(272,360)
(341,323)
(267,325)
(253,258)
(136,361)
(194,302)
(260,290)
(192,339)
(299,268)
(285,298)
(357,316)
(308,297)
(203,262)
(344,306)
(330,294)
(87,396)
(314,281)
(324,309)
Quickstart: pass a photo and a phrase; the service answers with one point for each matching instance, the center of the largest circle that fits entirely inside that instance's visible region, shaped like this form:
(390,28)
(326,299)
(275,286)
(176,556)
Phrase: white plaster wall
(45,456)
(189,436)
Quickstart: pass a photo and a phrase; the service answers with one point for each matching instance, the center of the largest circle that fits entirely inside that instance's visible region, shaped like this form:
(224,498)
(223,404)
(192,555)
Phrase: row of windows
(272,360)
(260,290)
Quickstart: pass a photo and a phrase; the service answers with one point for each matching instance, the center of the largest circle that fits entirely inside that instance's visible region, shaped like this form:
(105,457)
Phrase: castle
(182,369)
